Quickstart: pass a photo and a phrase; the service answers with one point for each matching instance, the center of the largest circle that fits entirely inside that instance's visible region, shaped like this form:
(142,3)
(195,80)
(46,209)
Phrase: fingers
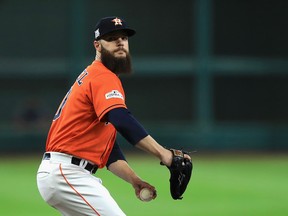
(154,192)
(187,156)
(152,189)
(140,185)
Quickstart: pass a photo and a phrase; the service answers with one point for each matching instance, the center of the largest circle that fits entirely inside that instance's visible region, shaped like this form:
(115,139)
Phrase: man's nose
(119,41)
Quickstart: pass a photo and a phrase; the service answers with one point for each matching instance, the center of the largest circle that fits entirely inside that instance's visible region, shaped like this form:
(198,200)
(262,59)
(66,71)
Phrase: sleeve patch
(114,94)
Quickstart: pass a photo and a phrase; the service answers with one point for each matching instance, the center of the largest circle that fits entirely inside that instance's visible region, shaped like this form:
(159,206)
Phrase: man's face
(115,53)
(116,43)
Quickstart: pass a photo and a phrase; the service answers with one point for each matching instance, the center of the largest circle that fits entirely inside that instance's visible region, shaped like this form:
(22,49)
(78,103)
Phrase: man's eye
(114,38)
(111,38)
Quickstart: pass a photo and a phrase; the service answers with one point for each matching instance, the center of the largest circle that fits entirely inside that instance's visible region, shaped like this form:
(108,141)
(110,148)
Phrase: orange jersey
(77,128)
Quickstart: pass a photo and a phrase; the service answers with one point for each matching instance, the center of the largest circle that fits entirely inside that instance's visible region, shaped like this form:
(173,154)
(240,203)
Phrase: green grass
(245,185)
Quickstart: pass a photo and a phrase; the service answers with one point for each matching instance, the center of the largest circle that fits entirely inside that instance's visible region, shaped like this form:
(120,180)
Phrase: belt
(71,159)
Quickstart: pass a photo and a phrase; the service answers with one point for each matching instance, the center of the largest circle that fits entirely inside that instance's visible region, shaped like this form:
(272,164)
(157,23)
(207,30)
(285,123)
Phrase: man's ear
(97,46)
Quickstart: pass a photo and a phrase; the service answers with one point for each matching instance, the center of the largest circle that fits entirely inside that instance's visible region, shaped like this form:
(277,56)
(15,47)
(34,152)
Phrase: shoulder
(97,74)
(97,69)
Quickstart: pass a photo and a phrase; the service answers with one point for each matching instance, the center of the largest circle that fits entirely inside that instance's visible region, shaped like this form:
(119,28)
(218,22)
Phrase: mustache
(121,49)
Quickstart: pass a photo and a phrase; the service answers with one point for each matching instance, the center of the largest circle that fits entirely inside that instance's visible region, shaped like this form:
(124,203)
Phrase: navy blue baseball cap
(111,24)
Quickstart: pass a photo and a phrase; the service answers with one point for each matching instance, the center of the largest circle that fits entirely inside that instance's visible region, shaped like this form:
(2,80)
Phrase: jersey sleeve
(107,93)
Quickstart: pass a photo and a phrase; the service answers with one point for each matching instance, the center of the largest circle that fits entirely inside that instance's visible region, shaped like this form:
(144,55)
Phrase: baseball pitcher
(82,136)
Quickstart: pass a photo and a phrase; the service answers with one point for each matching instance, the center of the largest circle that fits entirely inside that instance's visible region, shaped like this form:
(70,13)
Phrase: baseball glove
(180,173)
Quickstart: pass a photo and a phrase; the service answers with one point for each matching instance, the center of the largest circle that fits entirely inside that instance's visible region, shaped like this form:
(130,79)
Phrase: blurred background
(210,75)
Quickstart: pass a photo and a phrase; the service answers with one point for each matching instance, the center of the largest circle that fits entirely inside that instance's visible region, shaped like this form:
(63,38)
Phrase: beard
(118,65)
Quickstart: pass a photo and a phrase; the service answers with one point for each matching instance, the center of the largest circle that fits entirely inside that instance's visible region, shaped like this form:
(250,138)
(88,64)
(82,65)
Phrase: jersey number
(79,81)
(58,113)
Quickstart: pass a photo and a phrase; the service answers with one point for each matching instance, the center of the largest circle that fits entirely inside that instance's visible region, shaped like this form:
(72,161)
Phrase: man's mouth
(121,50)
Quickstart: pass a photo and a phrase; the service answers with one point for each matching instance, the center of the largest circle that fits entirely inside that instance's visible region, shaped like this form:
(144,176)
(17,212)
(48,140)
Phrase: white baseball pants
(73,190)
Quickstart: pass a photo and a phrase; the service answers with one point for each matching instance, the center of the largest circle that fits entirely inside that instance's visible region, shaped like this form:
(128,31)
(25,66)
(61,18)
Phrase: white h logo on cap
(117,21)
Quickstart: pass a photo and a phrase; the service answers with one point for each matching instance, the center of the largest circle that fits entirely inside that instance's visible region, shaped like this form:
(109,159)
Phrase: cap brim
(130,32)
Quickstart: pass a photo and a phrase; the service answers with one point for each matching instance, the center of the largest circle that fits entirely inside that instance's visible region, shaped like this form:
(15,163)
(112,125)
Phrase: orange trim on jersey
(60,167)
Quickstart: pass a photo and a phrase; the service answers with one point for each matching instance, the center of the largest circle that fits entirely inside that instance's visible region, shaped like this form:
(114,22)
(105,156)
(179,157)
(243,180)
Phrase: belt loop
(83,163)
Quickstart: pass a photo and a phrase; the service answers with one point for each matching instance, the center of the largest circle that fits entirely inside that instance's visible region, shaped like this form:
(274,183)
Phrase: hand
(166,157)
(139,184)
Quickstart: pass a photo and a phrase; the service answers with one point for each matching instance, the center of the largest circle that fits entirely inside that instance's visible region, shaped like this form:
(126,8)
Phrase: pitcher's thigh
(85,195)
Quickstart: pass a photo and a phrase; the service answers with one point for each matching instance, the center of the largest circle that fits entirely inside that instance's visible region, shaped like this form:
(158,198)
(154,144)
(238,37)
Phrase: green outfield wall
(208,75)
